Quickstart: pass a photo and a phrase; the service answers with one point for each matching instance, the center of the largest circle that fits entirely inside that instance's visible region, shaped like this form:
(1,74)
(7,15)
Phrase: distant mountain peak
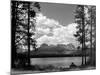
(43,45)
(69,46)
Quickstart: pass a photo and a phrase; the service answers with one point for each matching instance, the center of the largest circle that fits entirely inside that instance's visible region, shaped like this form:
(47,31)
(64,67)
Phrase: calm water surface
(57,61)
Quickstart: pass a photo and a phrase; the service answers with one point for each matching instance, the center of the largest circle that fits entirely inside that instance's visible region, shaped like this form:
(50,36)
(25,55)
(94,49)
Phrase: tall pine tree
(85,17)
(23,28)
(80,34)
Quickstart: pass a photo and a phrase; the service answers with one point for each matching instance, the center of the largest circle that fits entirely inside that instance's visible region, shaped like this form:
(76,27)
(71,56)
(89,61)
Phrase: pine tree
(24,28)
(85,17)
(80,34)
(92,23)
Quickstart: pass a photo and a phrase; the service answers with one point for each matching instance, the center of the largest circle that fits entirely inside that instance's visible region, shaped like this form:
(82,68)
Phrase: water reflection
(60,61)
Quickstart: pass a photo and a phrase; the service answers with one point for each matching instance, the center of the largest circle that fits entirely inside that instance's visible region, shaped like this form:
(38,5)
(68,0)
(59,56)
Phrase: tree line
(23,28)
(85,17)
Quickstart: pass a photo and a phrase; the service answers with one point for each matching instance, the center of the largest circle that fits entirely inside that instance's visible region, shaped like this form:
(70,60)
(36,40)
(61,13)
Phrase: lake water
(57,61)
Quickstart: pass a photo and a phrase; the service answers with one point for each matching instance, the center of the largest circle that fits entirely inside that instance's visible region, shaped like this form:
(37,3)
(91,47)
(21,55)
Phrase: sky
(55,24)
(60,12)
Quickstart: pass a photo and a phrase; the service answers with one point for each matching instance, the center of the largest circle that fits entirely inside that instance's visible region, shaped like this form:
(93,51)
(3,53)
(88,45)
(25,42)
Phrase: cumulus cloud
(51,32)
(44,22)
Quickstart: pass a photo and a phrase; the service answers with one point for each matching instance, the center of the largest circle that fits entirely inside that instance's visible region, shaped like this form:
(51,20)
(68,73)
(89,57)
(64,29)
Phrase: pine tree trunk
(28,34)
(83,36)
(13,30)
(91,38)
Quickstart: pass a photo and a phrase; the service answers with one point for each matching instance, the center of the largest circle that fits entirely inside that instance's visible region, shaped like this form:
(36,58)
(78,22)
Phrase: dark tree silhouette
(93,35)
(13,28)
(23,28)
(80,34)
(92,23)
(85,17)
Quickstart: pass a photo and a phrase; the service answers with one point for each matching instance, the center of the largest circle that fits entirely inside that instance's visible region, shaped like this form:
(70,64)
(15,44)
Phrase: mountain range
(58,49)
(69,46)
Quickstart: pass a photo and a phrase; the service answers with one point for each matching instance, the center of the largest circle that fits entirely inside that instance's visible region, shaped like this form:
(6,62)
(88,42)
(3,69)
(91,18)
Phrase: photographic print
(52,37)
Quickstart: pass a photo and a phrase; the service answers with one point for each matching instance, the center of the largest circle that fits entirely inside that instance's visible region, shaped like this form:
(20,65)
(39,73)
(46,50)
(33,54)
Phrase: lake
(57,61)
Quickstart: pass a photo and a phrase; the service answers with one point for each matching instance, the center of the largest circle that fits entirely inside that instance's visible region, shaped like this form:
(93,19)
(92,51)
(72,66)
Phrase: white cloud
(51,32)
(44,22)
